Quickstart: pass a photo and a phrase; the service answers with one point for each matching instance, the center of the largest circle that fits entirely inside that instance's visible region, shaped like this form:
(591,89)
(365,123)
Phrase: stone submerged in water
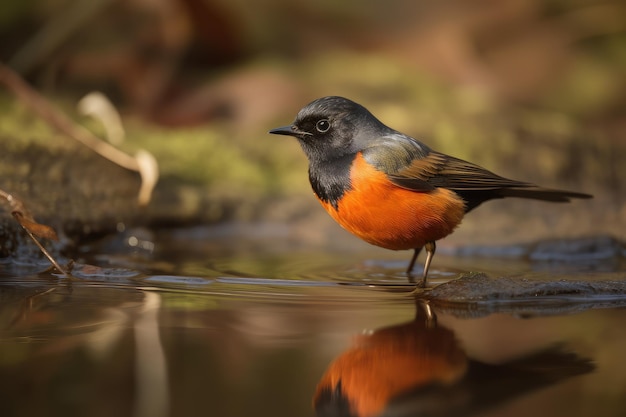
(476,294)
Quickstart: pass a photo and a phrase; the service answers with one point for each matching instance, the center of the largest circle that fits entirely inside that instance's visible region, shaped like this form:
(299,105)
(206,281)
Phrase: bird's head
(331,127)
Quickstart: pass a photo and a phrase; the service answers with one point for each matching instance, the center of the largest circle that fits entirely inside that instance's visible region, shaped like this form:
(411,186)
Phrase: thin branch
(39,245)
(61,122)
(28,223)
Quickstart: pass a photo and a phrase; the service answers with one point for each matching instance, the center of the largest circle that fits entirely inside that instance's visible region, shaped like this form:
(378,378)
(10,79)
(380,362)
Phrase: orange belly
(392,217)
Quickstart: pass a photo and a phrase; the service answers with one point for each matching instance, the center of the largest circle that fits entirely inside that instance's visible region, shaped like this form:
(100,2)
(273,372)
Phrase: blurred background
(531,89)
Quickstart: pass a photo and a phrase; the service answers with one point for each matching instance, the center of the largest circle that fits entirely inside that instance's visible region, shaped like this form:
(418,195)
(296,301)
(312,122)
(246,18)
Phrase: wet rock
(480,287)
(65,186)
(477,294)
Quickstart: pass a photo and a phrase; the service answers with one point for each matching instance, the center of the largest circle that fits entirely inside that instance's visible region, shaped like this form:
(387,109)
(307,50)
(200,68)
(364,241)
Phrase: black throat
(331,179)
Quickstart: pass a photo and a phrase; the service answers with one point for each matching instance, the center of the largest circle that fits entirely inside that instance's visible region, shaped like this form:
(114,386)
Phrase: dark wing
(427,170)
(441,170)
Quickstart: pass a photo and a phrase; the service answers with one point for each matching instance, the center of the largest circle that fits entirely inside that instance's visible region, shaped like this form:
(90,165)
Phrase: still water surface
(226,327)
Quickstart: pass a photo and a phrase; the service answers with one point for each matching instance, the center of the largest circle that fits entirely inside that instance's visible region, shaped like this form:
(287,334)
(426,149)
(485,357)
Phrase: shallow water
(215,322)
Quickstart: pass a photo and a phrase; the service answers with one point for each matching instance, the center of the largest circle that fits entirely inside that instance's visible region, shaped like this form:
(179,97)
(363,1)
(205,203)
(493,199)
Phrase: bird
(390,189)
(420,368)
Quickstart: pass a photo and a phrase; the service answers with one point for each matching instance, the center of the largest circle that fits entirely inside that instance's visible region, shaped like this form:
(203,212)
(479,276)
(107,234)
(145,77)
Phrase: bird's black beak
(285,130)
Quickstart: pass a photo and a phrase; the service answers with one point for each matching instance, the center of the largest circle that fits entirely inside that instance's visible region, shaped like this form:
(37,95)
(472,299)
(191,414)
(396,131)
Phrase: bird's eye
(322,126)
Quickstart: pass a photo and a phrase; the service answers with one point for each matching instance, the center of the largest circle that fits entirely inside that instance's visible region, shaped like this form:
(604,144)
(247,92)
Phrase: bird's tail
(545,194)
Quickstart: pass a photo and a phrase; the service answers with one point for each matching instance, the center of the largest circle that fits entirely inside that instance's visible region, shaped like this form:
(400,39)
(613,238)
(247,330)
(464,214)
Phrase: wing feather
(439,170)
(422,169)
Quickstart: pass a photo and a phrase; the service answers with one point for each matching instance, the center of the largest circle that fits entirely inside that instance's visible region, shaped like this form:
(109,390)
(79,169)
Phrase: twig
(21,214)
(39,245)
(61,122)
(144,163)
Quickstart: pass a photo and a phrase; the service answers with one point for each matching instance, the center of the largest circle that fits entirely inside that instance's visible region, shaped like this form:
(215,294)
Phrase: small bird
(388,188)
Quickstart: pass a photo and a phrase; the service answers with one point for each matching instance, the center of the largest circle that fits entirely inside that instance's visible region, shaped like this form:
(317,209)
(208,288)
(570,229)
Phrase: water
(214,323)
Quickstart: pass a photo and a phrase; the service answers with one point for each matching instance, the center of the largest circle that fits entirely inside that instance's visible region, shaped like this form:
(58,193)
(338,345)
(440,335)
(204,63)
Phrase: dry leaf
(40,230)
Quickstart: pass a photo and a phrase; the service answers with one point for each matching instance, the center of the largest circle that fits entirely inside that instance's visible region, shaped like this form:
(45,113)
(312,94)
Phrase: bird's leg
(409,270)
(430,252)
(425,314)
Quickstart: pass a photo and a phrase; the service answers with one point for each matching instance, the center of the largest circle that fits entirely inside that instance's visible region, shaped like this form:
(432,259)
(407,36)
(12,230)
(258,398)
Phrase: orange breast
(386,215)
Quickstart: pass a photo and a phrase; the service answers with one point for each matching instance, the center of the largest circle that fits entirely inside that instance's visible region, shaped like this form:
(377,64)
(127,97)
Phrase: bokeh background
(531,89)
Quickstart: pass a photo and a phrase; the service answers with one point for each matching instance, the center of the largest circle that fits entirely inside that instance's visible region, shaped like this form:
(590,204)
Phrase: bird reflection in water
(419,368)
